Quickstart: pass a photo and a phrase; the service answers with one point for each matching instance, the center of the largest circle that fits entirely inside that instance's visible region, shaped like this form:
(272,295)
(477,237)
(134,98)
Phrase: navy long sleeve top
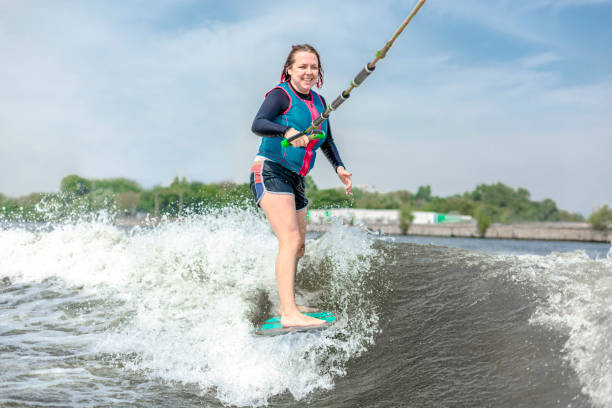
(275,103)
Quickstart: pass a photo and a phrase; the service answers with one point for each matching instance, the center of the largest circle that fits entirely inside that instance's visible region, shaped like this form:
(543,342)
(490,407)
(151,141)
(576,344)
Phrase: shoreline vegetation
(498,211)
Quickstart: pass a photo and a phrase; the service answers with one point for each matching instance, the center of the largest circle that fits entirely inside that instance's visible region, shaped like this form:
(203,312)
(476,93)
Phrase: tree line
(487,203)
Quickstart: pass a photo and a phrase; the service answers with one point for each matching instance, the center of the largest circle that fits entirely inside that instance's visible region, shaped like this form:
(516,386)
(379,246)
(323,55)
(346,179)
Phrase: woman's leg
(285,222)
(302,220)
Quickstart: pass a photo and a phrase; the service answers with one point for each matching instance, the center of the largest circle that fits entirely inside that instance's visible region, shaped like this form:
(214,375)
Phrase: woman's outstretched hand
(345,178)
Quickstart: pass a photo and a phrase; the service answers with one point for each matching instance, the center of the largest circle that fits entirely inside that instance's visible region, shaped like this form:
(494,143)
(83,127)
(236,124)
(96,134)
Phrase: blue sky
(472,92)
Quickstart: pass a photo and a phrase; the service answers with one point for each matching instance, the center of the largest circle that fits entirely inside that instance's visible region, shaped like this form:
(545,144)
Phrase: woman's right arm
(276,103)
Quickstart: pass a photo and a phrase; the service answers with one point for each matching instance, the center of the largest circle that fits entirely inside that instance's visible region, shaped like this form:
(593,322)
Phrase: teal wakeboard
(273,327)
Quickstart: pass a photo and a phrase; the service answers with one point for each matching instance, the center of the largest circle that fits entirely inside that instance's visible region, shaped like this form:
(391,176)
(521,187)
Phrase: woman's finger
(345,177)
(301,141)
(349,185)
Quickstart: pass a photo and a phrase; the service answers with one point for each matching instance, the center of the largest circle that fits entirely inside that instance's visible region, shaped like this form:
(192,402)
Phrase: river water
(95,315)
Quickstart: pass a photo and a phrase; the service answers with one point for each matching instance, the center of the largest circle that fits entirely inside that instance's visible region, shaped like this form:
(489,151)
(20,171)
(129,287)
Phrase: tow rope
(361,76)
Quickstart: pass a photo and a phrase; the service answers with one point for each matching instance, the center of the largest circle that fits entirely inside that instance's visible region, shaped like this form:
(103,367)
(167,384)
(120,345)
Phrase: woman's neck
(300,94)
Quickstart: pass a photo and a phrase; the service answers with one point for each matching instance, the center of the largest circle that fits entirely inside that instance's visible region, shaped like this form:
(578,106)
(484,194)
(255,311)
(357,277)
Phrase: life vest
(299,115)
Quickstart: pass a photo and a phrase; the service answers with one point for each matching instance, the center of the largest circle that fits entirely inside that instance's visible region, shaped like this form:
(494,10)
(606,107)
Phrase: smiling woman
(278,172)
(303,63)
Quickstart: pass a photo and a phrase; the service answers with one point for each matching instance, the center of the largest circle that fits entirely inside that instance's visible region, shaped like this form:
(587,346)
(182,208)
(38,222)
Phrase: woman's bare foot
(305,309)
(297,319)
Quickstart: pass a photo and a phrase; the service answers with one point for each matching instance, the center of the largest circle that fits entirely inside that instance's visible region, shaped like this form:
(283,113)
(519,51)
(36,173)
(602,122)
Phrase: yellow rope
(380,54)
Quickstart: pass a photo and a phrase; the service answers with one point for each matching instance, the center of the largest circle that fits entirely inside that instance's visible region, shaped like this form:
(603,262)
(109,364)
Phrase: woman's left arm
(331,152)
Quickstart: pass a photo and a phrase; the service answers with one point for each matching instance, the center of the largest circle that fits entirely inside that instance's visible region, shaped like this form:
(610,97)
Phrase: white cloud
(538,60)
(560,4)
(104,92)
(118,100)
(506,17)
(457,126)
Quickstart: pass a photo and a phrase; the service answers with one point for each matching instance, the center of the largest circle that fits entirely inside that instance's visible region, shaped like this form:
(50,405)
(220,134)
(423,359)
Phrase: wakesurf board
(273,327)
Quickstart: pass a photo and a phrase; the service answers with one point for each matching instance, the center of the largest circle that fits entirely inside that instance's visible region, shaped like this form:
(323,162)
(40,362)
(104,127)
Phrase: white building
(355,216)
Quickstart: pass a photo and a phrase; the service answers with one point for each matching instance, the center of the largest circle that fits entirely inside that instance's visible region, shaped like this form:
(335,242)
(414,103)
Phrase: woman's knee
(292,241)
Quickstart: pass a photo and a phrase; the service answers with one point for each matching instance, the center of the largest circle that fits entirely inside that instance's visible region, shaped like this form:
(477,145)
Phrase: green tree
(75,184)
(567,216)
(452,204)
(424,193)
(483,220)
(401,197)
(329,198)
(499,194)
(601,218)
(406,217)
(116,185)
(310,184)
(547,210)
(178,183)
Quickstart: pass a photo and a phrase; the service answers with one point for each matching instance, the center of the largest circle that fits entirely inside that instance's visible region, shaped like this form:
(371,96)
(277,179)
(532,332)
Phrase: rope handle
(316,134)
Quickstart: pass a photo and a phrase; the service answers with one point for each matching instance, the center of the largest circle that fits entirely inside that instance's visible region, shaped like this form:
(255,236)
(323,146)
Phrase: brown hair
(285,77)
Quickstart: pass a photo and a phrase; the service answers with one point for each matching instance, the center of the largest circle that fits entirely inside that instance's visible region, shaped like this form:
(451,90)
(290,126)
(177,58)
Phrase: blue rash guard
(282,109)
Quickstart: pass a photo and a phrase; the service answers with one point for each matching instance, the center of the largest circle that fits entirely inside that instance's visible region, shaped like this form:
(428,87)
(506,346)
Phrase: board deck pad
(272,327)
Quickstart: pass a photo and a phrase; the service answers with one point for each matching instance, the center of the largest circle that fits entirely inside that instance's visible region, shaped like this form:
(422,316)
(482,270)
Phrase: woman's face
(304,71)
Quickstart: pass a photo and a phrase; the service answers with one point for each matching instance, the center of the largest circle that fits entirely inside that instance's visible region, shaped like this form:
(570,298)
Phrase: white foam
(182,291)
(578,301)
(81,254)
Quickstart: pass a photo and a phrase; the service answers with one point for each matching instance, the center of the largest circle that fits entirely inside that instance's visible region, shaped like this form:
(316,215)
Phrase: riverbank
(388,222)
(549,231)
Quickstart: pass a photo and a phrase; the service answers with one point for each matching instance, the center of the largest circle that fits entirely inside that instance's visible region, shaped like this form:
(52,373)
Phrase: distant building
(355,216)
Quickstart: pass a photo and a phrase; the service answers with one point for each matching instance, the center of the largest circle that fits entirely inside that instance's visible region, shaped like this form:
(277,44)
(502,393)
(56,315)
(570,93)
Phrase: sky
(473,91)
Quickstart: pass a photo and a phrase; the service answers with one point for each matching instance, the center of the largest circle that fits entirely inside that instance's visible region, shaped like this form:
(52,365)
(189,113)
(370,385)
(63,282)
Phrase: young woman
(277,175)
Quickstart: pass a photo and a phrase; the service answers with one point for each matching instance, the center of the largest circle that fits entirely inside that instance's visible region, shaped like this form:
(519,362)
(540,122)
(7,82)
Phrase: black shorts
(270,177)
